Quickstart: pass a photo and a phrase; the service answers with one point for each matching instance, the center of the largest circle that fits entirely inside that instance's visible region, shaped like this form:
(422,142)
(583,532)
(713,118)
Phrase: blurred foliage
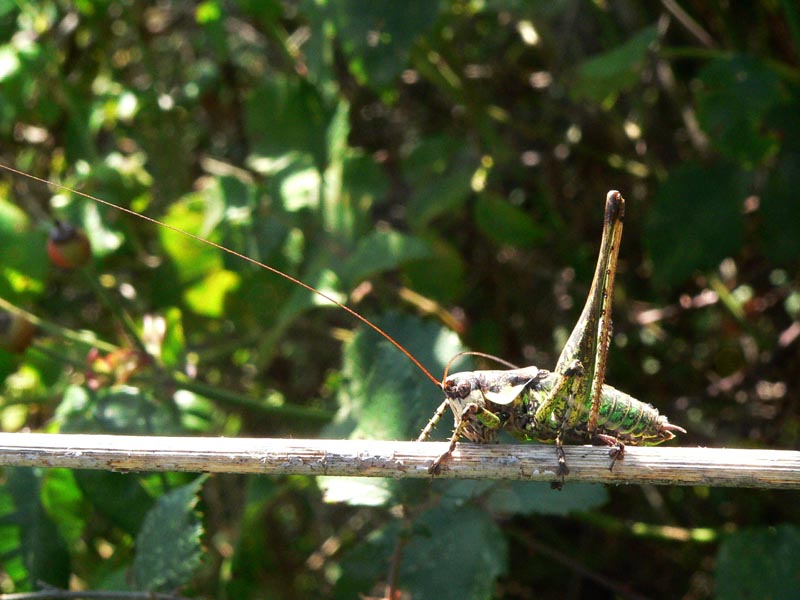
(441,166)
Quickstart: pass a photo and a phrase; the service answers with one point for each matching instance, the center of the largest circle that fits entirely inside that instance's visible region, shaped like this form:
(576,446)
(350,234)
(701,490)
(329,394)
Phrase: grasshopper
(568,405)
(571,404)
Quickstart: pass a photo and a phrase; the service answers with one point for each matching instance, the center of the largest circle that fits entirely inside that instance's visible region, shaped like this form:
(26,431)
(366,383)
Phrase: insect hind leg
(616,450)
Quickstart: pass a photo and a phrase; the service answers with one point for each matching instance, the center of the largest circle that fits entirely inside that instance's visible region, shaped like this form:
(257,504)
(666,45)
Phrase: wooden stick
(369,458)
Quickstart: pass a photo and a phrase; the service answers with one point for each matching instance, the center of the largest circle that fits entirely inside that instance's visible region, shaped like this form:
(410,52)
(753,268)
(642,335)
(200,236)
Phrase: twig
(692,26)
(369,458)
(58,594)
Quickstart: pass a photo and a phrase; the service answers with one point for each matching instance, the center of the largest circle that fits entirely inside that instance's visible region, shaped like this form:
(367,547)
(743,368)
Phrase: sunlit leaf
(36,552)
(63,501)
(24,264)
(207,297)
(288,115)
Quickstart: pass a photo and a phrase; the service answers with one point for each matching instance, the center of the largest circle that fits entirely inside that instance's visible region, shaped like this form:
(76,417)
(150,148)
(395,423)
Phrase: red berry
(16,332)
(68,247)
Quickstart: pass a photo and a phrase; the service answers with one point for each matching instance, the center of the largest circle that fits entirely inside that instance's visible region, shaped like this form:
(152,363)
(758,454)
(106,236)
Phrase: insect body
(571,404)
(484,402)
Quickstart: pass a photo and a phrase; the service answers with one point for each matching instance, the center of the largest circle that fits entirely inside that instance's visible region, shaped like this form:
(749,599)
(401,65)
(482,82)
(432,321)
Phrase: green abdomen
(621,416)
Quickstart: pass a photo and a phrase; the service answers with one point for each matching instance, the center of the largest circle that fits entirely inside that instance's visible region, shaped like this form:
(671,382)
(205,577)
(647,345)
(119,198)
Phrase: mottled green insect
(570,404)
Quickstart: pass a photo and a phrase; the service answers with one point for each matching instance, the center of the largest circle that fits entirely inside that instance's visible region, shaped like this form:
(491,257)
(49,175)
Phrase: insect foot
(436,465)
(616,450)
(562,471)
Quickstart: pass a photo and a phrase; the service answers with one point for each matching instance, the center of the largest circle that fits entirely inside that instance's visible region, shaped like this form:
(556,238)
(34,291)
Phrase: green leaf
(301,189)
(430,563)
(614,71)
(504,223)
(199,213)
(441,276)
(174,342)
(449,554)
(118,496)
(24,265)
(439,171)
(63,500)
(288,115)
(118,179)
(168,548)
(759,563)
(120,409)
(533,497)
(364,566)
(207,296)
(695,221)
(384,396)
(33,550)
(377,36)
(382,251)
(781,211)
(525,497)
(736,128)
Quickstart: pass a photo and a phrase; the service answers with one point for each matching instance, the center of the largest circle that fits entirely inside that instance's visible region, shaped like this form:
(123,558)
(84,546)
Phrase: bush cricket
(571,404)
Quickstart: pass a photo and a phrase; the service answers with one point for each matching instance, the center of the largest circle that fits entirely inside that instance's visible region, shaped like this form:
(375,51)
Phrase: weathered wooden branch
(369,458)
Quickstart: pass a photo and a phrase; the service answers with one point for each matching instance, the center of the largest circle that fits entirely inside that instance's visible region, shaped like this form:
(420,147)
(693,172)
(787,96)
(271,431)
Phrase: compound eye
(464,389)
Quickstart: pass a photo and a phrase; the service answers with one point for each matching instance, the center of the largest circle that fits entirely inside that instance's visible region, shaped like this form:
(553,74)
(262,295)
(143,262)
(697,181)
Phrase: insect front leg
(433,421)
(471,411)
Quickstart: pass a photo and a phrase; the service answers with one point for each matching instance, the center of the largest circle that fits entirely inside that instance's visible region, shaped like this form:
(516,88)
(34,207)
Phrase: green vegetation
(442,167)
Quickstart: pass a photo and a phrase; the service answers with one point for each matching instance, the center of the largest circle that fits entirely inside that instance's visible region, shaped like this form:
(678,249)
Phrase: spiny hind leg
(616,450)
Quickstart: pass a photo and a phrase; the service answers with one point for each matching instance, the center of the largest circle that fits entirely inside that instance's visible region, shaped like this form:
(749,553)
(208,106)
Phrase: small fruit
(113,368)
(68,247)
(16,332)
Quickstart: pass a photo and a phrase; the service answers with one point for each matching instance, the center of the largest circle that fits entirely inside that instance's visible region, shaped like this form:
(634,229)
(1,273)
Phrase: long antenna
(203,240)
